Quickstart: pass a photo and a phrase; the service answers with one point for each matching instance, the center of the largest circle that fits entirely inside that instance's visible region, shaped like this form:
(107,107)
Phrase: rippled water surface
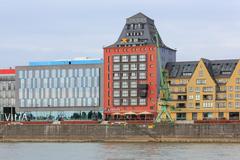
(118,151)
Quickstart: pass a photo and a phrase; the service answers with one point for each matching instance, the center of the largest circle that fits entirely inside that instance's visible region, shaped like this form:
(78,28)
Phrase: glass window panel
(124,58)
(133,67)
(133,58)
(142,58)
(124,93)
(124,102)
(142,66)
(70,72)
(53,73)
(125,67)
(133,84)
(116,58)
(142,75)
(46,73)
(116,67)
(124,84)
(133,101)
(142,101)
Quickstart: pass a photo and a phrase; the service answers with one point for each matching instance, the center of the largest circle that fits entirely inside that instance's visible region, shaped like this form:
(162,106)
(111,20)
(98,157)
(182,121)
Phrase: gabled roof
(140,15)
(216,68)
(139,30)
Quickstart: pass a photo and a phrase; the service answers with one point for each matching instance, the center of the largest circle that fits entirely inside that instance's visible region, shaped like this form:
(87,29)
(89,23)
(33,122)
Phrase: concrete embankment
(118,133)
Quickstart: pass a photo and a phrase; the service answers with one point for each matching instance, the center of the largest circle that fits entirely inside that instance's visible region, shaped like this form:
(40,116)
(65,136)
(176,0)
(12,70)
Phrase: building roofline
(66,62)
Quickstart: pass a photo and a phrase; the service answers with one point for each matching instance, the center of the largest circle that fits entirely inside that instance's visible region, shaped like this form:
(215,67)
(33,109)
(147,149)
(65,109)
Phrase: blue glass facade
(59,87)
(68,90)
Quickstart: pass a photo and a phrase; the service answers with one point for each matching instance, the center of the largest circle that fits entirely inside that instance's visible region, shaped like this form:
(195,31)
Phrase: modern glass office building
(60,89)
(7,92)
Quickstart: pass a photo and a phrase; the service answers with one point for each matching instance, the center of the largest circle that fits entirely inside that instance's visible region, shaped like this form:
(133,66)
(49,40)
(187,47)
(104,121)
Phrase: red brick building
(131,65)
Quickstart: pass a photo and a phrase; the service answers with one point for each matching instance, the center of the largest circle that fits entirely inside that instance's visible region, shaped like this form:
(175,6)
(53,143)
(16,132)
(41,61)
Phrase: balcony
(142,94)
(143,86)
(181,116)
(178,92)
(142,90)
(207,97)
(221,99)
(182,98)
(177,84)
(181,105)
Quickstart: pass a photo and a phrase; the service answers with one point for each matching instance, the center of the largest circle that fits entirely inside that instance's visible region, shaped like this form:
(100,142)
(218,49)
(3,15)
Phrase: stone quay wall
(121,133)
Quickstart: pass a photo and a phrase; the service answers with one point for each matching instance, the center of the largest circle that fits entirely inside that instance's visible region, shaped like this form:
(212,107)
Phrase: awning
(145,113)
(129,113)
(117,113)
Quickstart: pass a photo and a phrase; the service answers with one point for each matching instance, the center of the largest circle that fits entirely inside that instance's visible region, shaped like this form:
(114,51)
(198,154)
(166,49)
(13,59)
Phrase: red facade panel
(151,80)
(7,71)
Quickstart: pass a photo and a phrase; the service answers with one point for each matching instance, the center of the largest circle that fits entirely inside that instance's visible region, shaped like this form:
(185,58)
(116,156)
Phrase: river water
(119,151)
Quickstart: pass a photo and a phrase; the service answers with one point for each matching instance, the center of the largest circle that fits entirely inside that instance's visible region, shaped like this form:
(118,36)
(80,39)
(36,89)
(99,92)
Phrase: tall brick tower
(131,77)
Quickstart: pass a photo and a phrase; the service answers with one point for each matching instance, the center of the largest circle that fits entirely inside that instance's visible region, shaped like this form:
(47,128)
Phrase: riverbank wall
(122,133)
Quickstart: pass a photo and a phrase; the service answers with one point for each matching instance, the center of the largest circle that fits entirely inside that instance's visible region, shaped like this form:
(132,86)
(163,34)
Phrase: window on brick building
(230,88)
(116,93)
(116,84)
(116,59)
(125,58)
(237,80)
(142,58)
(190,89)
(124,93)
(133,84)
(133,58)
(142,66)
(116,67)
(198,97)
(116,102)
(201,81)
(237,104)
(133,101)
(124,84)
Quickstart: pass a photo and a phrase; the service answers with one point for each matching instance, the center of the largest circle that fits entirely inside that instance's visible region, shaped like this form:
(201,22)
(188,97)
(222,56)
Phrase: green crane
(164,98)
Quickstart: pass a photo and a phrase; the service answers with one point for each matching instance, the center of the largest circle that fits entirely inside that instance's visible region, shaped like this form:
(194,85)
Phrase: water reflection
(118,151)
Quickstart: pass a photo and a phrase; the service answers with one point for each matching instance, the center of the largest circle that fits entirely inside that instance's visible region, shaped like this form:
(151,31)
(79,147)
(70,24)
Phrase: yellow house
(205,89)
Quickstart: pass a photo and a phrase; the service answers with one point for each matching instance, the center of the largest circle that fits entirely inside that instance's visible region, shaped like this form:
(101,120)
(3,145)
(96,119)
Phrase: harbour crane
(164,107)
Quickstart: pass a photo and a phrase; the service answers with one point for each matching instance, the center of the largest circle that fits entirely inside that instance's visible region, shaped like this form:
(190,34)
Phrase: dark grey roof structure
(216,68)
(181,69)
(139,30)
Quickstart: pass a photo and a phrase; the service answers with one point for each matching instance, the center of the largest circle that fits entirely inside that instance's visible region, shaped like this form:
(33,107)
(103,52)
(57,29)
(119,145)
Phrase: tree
(75,116)
(84,115)
(99,115)
(90,114)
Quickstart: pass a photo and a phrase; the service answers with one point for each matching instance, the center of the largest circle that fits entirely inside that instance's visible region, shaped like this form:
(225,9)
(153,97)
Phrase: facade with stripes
(61,89)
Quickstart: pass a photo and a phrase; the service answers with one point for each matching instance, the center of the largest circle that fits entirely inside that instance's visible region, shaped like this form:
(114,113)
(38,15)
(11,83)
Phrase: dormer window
(135,39)
(226,72)
(187,73)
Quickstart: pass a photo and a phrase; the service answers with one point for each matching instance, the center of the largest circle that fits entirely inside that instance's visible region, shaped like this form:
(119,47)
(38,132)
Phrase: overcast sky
(36,30)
